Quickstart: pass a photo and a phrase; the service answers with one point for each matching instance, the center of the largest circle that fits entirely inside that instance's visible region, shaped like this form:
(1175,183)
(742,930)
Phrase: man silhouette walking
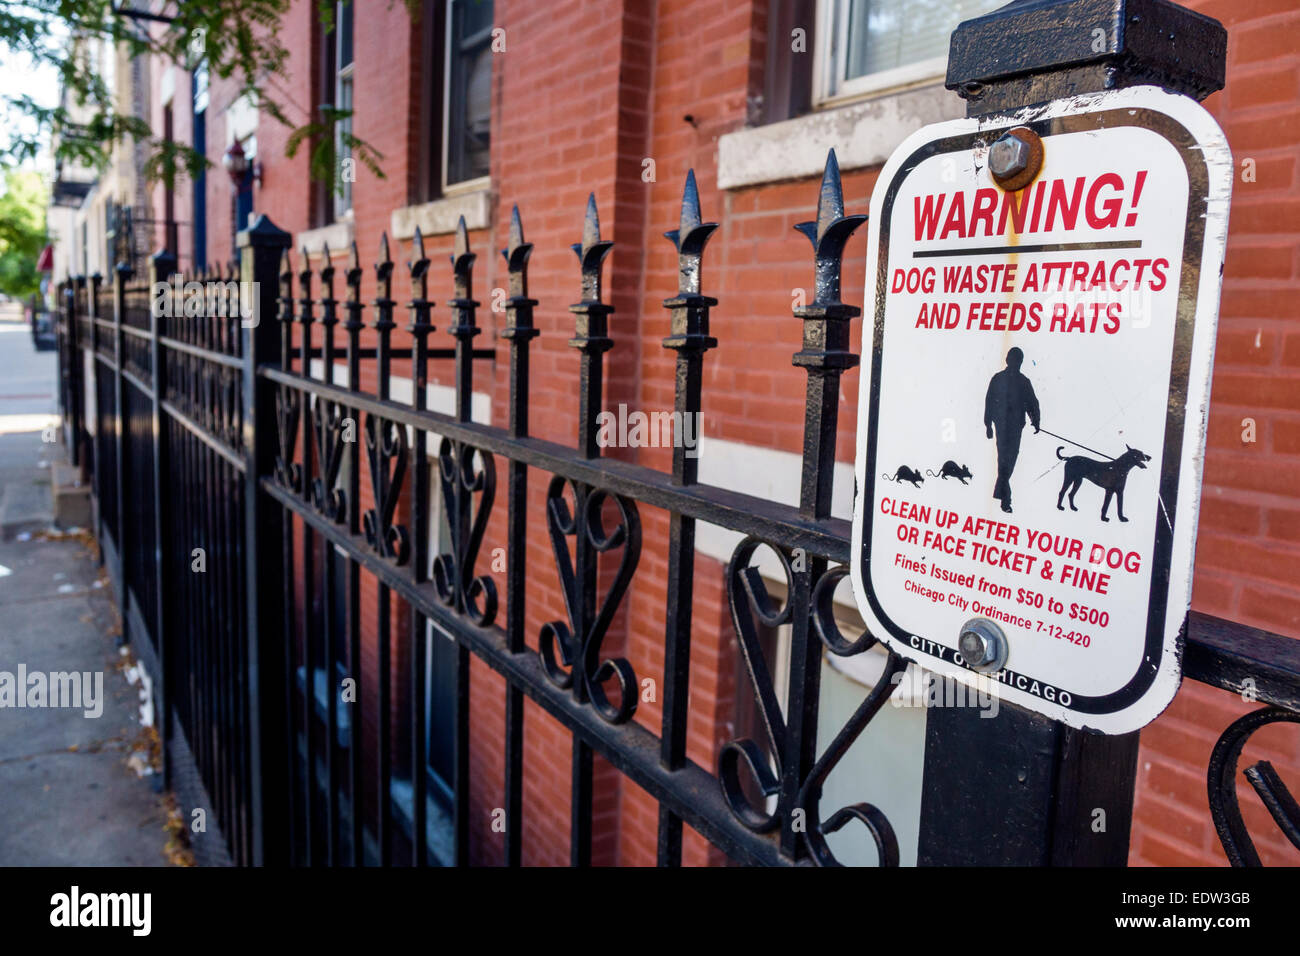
(1010,398)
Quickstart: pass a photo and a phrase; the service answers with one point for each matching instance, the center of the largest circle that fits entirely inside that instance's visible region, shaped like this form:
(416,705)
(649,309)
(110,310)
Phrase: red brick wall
(584,93)
(1248,546)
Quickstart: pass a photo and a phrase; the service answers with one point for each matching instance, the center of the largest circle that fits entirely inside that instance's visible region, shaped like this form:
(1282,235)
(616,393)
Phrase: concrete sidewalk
(67,794)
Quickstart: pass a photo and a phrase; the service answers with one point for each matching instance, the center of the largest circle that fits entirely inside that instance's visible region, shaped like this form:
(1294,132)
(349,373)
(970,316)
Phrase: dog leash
(1078,445)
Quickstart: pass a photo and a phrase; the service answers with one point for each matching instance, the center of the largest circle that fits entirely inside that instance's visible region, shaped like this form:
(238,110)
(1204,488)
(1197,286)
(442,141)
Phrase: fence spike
(384,270)
(460,246)
(690,237)
(327,263)
(286,287)
(304,286)
(417,243)
(516,255)
(591,330)
(462,261)
(419,305)
(353,274)
(591,252)
(829,233)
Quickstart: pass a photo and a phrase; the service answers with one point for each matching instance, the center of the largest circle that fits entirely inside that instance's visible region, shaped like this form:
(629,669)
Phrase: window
(199,83)
(869,46)
(469,90)
(343,101)
(332,200)
(455,97)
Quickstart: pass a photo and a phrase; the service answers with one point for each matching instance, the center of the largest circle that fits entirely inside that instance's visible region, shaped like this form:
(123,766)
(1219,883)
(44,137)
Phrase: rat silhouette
(951,469)
(905,474)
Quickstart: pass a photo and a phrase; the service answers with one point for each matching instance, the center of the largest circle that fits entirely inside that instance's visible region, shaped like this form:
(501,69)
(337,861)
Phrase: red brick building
(487,104)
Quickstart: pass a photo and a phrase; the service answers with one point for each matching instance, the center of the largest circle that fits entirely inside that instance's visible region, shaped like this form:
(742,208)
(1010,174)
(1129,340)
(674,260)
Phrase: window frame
(448,56)
(342,205)
(831,88)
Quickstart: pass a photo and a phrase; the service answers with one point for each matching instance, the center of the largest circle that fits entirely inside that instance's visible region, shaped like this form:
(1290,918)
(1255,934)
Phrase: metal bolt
(1008,157)
(983,645)
(1015,158)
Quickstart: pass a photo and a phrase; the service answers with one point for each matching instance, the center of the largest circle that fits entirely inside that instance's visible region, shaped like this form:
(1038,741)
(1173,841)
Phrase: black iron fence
(247,485)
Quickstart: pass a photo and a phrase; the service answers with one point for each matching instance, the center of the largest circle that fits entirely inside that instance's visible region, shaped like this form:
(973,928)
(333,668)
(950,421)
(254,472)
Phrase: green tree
(22,231)
(238,39)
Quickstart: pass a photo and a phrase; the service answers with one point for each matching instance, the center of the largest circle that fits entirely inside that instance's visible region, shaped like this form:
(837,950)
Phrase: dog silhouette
(1110,476)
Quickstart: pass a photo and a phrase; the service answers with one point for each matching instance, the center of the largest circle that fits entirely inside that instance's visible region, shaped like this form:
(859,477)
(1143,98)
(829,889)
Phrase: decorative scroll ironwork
(578,643)
(386,451)
(745,583)
(751,605)
(288,473)
(877,824)
(453,571)
(329,424)
(1222,784)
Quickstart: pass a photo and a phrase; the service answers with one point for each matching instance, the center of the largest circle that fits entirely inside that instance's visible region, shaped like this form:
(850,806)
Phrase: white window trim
(480,184)
(342,76)
(829,86)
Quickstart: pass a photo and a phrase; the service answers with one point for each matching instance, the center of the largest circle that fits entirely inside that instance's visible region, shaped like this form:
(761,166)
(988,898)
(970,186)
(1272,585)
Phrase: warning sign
(1034,404)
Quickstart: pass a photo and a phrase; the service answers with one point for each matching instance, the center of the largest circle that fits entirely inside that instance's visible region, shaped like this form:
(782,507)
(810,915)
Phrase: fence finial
(462,261)
(384,271)
(830,232)
(353,274)
(591,251)
(419,265)
(419,305)
(516,255)
(327,264)
(286,286)
(690,237)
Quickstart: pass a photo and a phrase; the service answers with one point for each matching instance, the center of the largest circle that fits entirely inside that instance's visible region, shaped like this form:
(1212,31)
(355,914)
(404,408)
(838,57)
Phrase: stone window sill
(862,134)
(337,235)
(440,216)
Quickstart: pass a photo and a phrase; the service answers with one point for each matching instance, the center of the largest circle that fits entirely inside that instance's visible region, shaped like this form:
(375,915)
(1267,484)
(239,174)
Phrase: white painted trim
(862,134)
(764,473)
(440,216)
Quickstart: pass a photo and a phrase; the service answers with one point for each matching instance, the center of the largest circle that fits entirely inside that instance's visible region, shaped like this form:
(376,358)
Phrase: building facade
(472,107)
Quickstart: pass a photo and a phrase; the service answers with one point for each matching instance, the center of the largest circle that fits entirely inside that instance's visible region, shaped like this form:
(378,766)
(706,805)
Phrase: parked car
(42,330)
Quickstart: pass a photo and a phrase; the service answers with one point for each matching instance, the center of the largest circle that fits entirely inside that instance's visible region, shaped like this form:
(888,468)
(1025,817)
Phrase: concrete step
(71,497)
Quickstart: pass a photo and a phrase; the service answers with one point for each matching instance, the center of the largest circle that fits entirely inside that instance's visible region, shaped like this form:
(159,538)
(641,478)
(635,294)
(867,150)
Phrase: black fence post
(1020,789)
(87,289)
(261,247)
(67,354)
(122,273)
(161,268)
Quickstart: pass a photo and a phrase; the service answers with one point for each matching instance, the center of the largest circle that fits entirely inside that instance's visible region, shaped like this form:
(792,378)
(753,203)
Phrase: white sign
(1035,396)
